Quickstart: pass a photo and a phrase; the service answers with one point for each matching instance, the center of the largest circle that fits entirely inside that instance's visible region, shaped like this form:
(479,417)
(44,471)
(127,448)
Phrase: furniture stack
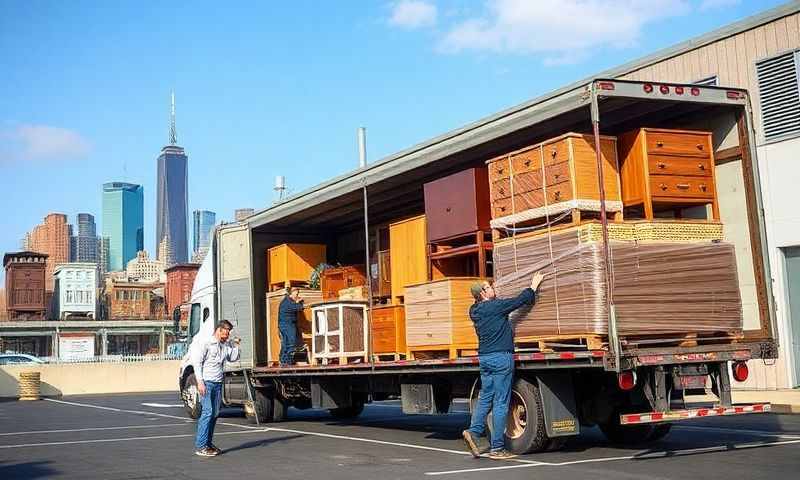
(350,278)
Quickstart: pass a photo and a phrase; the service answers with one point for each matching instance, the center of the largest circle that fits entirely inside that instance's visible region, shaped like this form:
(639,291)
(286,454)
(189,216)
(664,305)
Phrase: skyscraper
(171,208)
(52,237)
(123,222)
(85,246)
(204,221)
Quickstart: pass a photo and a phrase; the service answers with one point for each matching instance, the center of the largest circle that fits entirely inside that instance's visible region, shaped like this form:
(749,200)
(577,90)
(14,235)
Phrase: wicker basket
(29,385)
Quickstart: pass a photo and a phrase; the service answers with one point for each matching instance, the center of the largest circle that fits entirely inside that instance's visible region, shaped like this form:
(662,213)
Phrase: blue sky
(279,88)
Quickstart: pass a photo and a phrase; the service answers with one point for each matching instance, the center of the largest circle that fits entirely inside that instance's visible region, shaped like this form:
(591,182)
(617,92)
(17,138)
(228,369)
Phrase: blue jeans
(497,372)
(288,342)
(211,402)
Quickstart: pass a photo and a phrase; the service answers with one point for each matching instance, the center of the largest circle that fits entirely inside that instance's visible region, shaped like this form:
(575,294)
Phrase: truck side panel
(235,296)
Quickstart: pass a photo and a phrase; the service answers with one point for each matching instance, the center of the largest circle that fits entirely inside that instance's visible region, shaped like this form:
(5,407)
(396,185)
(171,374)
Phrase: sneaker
(501,454)
(215,448)
(472,445)
(205,452)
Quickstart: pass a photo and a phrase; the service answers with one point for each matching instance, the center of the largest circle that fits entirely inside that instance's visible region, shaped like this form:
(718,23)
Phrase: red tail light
(695,91)
(679,90)
(734,94)
(626,380)
(606,85)
(740,371)
(648,88)
(664,89)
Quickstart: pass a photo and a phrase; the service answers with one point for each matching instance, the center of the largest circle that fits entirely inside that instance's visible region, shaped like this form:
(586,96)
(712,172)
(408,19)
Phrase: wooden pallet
(429,352)
(552,343)
(680,340)
(342,360)
(388,357)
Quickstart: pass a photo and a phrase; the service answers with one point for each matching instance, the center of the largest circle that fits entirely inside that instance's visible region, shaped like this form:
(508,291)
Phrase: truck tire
(263,404)
(626,434)
(352,411)
(279,408)
(191,397)
(525,427)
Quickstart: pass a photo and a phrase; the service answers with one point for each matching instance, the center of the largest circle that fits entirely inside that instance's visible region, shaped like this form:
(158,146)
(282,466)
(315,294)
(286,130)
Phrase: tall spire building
(172,203)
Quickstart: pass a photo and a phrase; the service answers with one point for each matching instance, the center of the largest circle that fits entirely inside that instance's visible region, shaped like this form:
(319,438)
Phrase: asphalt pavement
(148,436)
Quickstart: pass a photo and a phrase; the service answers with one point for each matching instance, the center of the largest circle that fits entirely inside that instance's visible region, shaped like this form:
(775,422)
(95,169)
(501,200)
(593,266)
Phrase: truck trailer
(632,391)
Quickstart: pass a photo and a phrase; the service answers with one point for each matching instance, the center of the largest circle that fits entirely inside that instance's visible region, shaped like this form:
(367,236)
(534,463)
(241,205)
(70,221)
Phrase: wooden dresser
(388,325)
(408,250)
(338,278)
(292,263)
(457,204)
(667,170)
(557,175)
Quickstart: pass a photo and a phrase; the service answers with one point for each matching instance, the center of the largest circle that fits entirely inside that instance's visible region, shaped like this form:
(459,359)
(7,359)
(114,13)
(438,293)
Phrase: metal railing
(114,358)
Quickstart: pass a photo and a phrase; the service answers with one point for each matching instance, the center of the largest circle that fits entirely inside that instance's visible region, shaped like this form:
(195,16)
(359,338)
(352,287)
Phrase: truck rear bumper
(687,414)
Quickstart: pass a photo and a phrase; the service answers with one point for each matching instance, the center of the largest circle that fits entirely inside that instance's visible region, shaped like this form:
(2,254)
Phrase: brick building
(25,285)
(129,300)
(53,238)
(178,289)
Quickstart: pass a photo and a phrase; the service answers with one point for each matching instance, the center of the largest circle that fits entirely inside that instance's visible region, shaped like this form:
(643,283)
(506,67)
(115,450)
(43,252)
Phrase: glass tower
(204,221)
(123,222)
(85,246)
(171,209)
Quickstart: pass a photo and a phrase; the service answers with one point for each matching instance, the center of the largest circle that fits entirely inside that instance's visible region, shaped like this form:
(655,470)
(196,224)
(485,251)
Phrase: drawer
(527,161)
(501,189)
(674,165)
(530,181)
(674,186)
(499,169)
(678,143)
(501,207)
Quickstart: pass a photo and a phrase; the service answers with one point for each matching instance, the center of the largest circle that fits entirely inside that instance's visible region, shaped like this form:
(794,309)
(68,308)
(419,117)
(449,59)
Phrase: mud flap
(558,404)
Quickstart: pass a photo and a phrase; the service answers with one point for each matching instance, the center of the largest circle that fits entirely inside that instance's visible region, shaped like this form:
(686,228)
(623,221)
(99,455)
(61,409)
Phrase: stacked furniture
(335,279)
(292,263)
(273,300)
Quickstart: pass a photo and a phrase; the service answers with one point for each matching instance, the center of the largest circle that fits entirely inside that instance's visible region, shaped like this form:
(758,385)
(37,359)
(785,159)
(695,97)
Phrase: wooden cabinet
(292,263)
(388,330)
(381,274)
(339,278)
(457,204)
(667,170)
(556,175)
(437,315)
(273,300)
(339,332)
(408,251)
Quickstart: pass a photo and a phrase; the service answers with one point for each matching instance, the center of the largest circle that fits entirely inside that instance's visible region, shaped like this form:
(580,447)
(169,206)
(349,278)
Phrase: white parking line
(126,439)
(160,425)
(643,455)
(755,433)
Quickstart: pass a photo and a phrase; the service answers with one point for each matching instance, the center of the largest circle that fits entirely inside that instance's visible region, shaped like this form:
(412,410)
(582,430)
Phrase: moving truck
(632,391)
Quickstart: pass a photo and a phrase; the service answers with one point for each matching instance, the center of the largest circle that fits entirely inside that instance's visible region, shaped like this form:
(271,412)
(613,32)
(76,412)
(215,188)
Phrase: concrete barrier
(91,378)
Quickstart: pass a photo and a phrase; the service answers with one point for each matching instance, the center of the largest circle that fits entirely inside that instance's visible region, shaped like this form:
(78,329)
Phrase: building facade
(178,289)
(52,238)
(123,222)
(25,285)
(204,221)
(134,300)
(85,245)
(172,202)
(75,292)
(144,269)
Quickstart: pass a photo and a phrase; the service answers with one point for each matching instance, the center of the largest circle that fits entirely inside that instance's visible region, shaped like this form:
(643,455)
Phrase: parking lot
(149,436)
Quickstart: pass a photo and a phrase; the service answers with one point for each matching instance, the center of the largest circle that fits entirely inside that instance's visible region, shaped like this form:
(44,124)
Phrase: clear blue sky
(279,88)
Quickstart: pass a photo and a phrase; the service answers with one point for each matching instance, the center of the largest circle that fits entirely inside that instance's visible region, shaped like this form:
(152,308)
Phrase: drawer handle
(553,153)
(659,144)
(501,190)
(682,186)
(701,166)
(556,176)
(699,146)
(703,187)
(663,186)
(527,163)
(502,209)
(557,195)
(661,165)
(448,209)
(500,170)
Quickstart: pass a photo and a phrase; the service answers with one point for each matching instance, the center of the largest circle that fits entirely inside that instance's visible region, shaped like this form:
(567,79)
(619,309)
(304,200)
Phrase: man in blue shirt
(288,309)
(495,353)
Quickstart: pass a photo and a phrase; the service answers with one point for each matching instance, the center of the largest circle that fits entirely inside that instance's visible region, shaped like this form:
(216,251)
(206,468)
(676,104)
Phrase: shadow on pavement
(260,443)
(27,470)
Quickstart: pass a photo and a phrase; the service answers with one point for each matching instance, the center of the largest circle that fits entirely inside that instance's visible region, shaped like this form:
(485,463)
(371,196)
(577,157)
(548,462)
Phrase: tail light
(626,380)
(606,85)
(679,90)
(648,88)
(734,95)
(695,91)
(740,371)
(664,89)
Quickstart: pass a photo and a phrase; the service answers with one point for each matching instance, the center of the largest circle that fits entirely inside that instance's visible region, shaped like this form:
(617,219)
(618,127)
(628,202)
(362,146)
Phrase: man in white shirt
(208,360)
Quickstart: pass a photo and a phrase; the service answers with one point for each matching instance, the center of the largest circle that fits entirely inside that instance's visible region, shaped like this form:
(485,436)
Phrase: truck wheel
(279,408)
(352,411)
(626,434)
(263,403)
(191,397)
(525,428)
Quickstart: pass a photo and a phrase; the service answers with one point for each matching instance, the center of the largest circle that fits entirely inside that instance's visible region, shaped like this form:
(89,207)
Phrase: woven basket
(30,386)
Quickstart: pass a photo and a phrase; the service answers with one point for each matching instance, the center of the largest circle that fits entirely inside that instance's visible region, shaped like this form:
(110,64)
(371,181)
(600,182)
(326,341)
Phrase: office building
(123,222)
(172,202)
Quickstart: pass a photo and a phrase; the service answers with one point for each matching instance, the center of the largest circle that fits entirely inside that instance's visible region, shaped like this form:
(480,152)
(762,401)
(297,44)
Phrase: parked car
(18,359)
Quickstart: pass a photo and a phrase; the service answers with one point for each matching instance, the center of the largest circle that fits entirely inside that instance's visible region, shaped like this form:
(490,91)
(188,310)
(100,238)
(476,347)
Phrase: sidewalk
(783,401)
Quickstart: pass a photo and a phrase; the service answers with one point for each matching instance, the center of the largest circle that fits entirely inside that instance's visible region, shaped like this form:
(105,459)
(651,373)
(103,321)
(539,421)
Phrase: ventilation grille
(780,97)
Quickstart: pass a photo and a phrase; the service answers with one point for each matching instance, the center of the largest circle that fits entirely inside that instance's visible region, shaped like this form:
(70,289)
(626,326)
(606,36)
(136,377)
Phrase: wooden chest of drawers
(457,204)
(388,330)
(559,174)
(437,314)
(667,170)
(293,263)
(339,278)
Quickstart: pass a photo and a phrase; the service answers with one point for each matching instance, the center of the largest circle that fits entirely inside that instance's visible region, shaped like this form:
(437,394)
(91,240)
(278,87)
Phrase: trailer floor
(148,436)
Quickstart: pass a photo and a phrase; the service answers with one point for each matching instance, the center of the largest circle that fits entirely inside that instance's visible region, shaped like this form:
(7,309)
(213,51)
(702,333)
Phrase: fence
(116,358)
